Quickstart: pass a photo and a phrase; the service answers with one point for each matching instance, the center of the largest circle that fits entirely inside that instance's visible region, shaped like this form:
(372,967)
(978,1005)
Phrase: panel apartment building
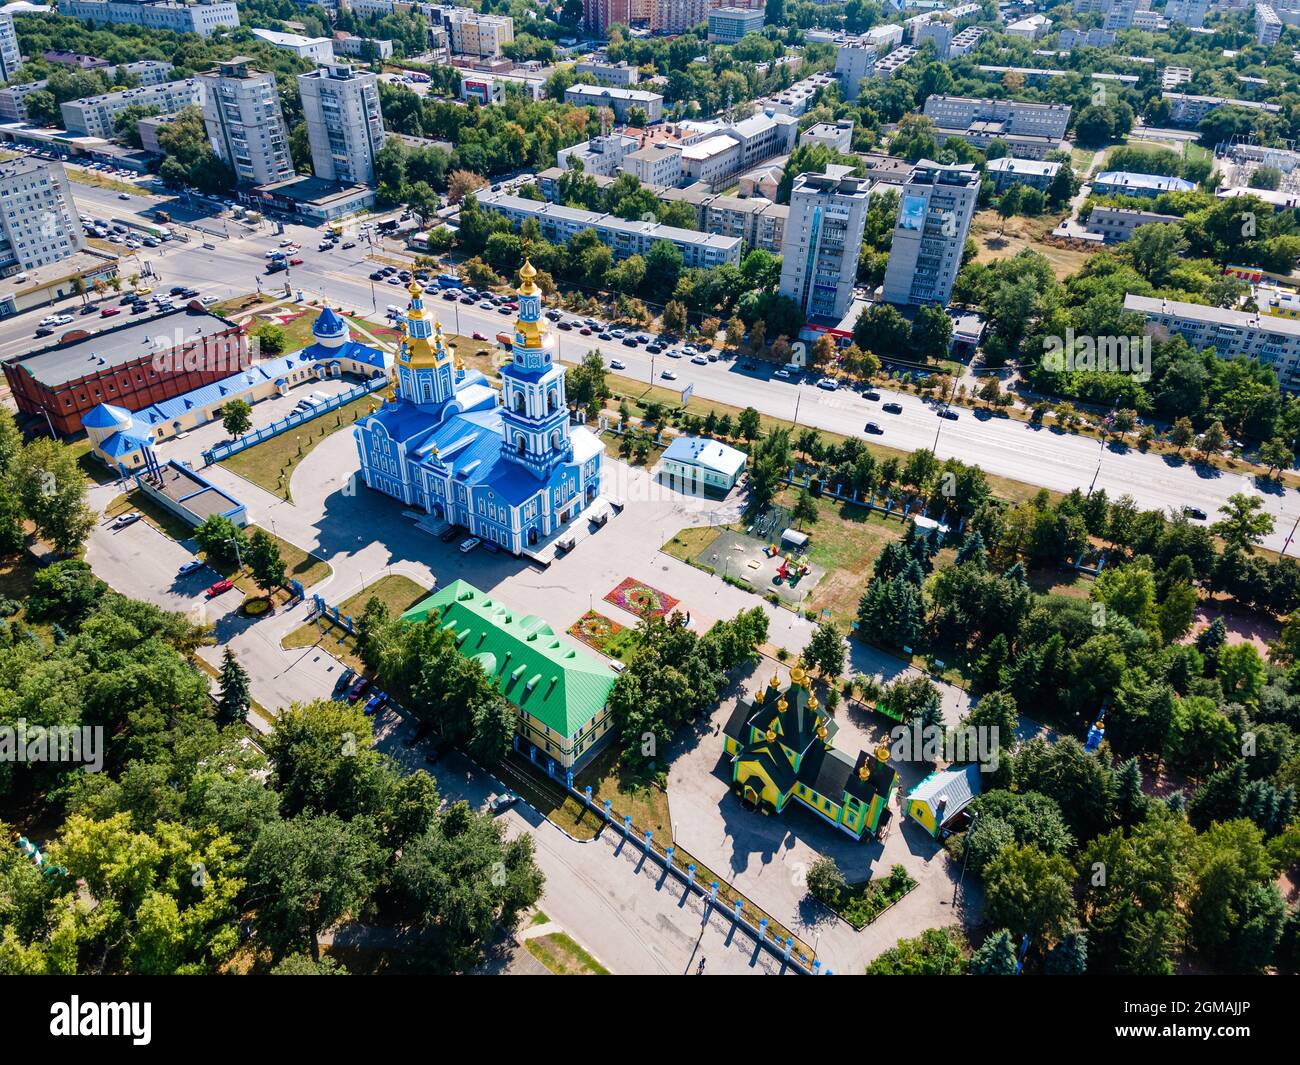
(1029,130)
(202,18)
(344,125)
(934,216)
(560,225)
(1269,339)
(823,239)
(38,219)
(10,57)
(93,116)
(241,110)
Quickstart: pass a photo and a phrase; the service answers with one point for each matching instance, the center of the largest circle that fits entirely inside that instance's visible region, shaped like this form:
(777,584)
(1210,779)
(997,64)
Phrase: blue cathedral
(509,469)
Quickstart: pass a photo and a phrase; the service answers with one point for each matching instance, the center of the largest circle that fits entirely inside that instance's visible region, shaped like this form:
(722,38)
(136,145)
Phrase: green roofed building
(560,692)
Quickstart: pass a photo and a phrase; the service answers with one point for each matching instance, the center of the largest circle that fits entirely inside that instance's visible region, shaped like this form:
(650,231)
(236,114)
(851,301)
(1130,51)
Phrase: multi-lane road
(1001,446)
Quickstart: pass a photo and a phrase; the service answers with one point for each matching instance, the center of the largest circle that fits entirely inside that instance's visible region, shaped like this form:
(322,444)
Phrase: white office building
(344,125)
(959,112)
(38,218)
(823,239)
(201,18)
(1035,173)
(93,116)
(620,75)
(620,101)
(837,136)
(241,110)
(727,25)
(317,49)
(934,216)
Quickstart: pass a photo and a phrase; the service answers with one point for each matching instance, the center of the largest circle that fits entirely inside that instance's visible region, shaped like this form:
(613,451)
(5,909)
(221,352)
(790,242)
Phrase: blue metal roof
(105,416)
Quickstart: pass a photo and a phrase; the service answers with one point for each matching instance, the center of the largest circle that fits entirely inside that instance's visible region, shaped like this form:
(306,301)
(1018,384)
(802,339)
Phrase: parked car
(345,679)
(673,353)
(617,364)
(448,534)
(192,566)
(500,803)
(668,375)
(295,261)
(700,360)
(220,588)
(1195,513)
(872,429)
(870,393)
(948,413)
(565,326)
(358,689)
(783,373)
(828,383)
(480,336)
(123,520)
(468,545)
(375,703)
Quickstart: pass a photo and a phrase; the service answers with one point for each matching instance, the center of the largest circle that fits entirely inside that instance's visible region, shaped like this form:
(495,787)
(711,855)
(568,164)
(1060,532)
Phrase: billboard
(911,215)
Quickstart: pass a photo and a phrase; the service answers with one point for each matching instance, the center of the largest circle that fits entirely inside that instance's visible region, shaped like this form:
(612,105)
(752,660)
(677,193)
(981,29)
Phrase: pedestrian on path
(700,969)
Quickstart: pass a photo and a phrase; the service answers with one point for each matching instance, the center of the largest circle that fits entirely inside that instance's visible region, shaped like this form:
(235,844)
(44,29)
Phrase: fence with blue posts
(227,448)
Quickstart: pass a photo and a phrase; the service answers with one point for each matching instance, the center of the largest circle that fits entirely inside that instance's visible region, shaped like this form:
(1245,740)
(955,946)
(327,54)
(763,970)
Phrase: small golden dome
(798,676)
(882,753)
(774,682)
(864,772)
(770,734)
(812,702)
(414,290)
(782,706)
(529,286)
(758,696)
(822,732)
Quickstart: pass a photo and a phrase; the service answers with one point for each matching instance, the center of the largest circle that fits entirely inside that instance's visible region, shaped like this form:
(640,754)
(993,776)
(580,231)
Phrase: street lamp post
(934,448)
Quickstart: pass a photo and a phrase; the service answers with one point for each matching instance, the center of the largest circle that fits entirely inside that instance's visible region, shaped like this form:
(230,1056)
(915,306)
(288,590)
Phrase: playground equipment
(34,855)
(791,571)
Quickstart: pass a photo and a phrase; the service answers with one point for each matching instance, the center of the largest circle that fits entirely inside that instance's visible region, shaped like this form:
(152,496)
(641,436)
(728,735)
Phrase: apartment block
(10,57)
(1147,186)
(798,98)
(38,218)
(1268,26)
(1187,110)
(201,18)
(838,136)
(93,116)
(727,25)
(1116,224)
(624,238)
(620,75)
(1034,173)
(367,49)
(620,101)
(854,62)
(13,100)
(1093,38)
(1017,117)
(677,16)
(1187,12)
(655,164)
(469,32)
(891,64)
(823,239)
(934,216)
(1270,339)
(966,41)
(939,32)
(344,125)
(241,110)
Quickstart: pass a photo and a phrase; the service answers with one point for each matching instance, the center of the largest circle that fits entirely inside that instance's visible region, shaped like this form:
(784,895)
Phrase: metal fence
(227,448)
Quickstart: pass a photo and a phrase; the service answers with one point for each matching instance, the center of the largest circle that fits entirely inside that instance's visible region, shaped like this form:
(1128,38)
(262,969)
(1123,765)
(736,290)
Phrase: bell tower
(535,418)
(425,364)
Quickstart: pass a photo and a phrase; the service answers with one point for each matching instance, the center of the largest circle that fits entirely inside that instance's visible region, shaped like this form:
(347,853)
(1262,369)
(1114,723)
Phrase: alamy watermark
(82,744)
(934,743)
(1129,355)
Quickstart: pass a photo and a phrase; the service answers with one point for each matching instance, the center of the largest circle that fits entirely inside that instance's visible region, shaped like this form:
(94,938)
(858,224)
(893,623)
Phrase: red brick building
(135,364)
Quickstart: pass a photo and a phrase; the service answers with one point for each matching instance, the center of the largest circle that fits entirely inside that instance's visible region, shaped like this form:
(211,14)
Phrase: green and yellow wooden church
(780,747)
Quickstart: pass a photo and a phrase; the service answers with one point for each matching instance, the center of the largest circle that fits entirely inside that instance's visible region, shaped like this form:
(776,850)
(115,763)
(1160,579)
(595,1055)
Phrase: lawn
(301,565)
(90,465)
(559,953)
(686,544)
(863,903)
(395,591)
(271,463)
(628,793)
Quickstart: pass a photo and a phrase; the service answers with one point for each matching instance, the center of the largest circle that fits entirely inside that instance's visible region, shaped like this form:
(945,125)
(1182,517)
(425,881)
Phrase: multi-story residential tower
(727,25)
(241,110)
(10,58)
(38,220)
(934,217)
(344,123)
(823,239)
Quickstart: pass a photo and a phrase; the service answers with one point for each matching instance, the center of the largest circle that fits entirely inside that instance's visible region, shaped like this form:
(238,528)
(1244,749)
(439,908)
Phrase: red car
(358,689)
(220,588)
(295,262)
(108,312)
(480,336)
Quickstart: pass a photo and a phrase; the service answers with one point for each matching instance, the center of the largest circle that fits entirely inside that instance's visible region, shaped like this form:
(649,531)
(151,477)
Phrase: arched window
(519,403)
(551,400)
(521,444)
(555,439)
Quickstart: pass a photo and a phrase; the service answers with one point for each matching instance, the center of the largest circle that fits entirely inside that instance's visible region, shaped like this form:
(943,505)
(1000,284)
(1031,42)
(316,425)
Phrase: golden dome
(758,696)
(864,772)
(782,706)
(774,683)
(821,732)
(414,290)
(882,753)
(812,702)
(529,286)
(798,676)
(770,734)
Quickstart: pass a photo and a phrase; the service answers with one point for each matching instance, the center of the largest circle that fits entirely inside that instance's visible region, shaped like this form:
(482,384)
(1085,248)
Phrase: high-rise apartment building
(241,110)
(822,241)
(38,219)
(93,116)
(344,123)
(203,18)
(10,58)
(934,216)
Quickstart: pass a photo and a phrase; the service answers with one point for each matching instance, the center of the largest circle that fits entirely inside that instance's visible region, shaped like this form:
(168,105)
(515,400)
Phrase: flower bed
(640,599)
(605,635)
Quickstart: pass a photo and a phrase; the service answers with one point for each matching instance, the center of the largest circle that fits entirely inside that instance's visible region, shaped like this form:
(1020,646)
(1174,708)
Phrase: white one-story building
(697,464)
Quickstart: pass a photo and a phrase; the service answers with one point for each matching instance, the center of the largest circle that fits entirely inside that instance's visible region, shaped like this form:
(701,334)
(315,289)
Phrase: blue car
(376,703)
